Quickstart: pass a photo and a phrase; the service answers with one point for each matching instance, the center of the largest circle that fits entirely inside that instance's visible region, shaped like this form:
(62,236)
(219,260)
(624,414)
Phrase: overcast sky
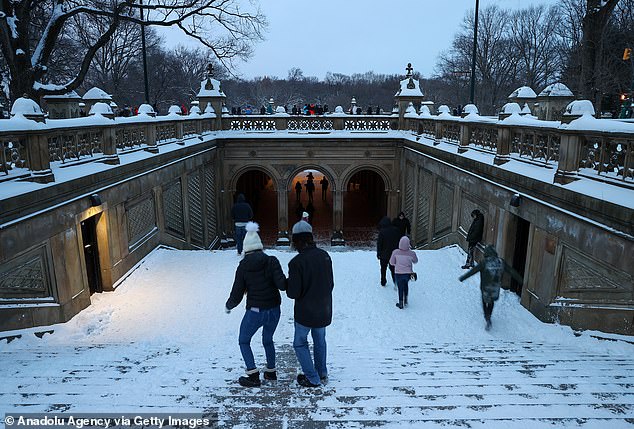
(355,36)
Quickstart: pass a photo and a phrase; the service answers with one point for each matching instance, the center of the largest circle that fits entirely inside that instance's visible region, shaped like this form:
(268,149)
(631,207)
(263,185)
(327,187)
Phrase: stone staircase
(492,384)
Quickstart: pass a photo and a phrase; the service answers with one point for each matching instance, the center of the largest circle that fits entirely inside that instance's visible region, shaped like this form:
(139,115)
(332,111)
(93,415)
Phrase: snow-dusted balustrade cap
(444,110)
(410,112)
(146,109)
(409,87)
(225,110)
(470,109)
(174,110)
(113,105)
(556,90)
(338,109)
(510,108)
(209,108)
(280,111)
(579,108)
(96,94)
(526,110)
(523,92)
(102,109)
(72,95)
(210,87)
(194,110)
(424,111)
(26,107)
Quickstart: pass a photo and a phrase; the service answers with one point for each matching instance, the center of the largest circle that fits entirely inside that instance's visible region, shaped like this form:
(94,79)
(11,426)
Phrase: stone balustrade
(597,149)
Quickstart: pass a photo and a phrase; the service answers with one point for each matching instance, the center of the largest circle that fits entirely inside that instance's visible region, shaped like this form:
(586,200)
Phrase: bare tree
(223,26)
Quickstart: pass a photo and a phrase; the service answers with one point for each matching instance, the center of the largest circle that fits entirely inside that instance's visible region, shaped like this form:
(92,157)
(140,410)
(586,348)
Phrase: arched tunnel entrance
(364,204)
(310,192)
(259,191)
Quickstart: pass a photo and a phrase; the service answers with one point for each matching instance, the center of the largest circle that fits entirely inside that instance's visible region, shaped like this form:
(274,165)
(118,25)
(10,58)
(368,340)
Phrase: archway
(364,204)
(259,191)
(319,207)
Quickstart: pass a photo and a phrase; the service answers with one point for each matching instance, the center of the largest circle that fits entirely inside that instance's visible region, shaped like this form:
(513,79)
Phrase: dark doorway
(259,191)
(91,254)
(520,252)
(364,204)
(317,203)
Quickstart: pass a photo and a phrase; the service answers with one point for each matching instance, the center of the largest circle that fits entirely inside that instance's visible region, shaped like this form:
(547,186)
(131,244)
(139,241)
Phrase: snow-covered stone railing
(595,148)
(29,148)
(329,122)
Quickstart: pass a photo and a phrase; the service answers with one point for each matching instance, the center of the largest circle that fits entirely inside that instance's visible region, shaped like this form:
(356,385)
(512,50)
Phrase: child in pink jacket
(402,259)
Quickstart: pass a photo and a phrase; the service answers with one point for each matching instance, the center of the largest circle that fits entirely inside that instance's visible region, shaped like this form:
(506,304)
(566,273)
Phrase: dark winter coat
(310,284)
(388,238)
(241,210)
(476,229)
(260,276)
(491,269)
(403,225)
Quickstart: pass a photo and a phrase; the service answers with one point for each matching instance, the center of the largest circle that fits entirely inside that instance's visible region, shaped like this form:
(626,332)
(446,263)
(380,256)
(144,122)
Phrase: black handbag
(413,277)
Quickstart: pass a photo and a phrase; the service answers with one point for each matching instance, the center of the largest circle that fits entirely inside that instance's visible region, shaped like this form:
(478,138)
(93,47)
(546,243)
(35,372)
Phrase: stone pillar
(109,136)
(39,158)
(393,202)
(150,138)
(438,133)
(281,122)
(465,136)
(216,103)
(337,218)
(338,122)
(283,227)
(502,154)
(569,158)
(179,133)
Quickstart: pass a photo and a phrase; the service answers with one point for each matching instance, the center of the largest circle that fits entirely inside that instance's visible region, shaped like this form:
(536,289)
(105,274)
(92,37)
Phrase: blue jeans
(251,322)
(300,344)
(402,281)
(239,234)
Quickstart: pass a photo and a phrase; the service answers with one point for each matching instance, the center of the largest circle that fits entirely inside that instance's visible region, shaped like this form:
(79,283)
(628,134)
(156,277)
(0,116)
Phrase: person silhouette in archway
(324,187)
(298,191)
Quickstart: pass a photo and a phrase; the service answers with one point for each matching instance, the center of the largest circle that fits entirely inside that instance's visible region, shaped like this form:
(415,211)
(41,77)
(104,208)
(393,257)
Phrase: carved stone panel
(141,219)
(210,194)
(195,209)
(467,205)
(425,182)
(26,276)
(585,278)
(173,209)
(410,187)
(444,208)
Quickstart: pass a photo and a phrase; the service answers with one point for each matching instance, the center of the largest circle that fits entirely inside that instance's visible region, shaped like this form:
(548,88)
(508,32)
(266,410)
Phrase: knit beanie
(305,216)
(302,227)
(252,239)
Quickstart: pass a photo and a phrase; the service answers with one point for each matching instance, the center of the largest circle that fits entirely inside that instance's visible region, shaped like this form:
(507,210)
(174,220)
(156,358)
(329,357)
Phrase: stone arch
(387,181)
(235,176)
(330,174)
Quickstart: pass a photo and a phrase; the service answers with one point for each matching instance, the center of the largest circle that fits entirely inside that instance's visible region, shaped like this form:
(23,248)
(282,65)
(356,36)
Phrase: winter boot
(270,374)
(399,305)
(251,380)
(303,381)
(405,302)
(488,326)
(466,266)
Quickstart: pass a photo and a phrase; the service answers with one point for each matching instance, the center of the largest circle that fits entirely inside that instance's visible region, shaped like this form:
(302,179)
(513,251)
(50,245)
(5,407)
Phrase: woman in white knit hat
(260,277)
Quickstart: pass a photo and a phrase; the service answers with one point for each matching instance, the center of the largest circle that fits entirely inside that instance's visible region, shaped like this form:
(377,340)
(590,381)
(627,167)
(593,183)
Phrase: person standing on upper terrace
(241,213)
(402,223)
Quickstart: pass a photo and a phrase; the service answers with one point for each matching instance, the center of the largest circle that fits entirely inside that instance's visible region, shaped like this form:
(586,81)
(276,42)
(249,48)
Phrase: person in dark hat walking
(402,223)
(260,277)
(241,213)
(474,236)
(310,284)
(491,270)
(386,243)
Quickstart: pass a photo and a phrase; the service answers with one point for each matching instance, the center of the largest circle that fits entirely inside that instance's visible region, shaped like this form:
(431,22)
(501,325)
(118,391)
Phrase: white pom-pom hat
(252,239)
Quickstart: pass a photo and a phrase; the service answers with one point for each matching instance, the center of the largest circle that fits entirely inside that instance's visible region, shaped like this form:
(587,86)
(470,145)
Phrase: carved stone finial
(210,70)
(409,70)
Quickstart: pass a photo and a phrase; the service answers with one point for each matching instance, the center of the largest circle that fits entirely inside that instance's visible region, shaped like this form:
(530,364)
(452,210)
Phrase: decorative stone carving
(141,219)
(195,209)
(210,194)
(173,209)
(26,276)
(339,168)
(580,275)
(425,182)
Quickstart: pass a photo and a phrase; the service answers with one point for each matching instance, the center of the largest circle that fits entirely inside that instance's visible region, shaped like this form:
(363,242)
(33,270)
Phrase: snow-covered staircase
(495,384)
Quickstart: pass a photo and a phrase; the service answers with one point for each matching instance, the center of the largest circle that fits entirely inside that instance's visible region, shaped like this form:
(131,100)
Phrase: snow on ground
(163,335)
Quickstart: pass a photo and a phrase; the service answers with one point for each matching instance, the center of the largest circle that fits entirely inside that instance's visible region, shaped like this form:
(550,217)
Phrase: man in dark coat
(474,236)
(310,284)
(491,270)
(241,213)
(260,277)
(403,225)
(387,241)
